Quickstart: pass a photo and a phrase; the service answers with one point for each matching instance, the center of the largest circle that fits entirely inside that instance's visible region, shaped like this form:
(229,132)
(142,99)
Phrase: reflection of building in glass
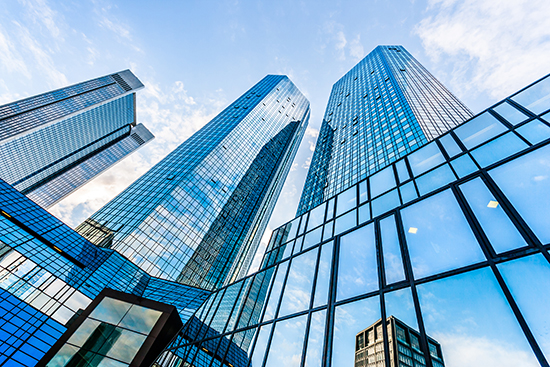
(198,215)
(53,143)
(403,346)
(385,107)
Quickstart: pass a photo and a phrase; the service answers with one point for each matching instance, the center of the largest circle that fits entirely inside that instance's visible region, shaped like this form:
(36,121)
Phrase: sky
(196,57)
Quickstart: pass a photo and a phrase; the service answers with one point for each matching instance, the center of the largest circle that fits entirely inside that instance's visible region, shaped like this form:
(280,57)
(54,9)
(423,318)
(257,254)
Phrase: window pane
(400,305)
(393,262)
(330,209)
(510,113)
(297,292)
(535,98)
(381,182)
(323,275)
(438,236)
(435,179)
(126,345)
(402,170)
(408,192)
(345,222)
(349,320)
(316,216)
(528,279)
(534,131)
(364,213)
(293,228)
(346,201)
(502,234)
(479,130)
(362,192)
(312,238)
(357,269)
(385,203)
(328,231)
(425,158)
(287,248)
(314,351)
(450,145)
(275,291)
(261,343)
(288,341)
(303,224)
(464,165)
(526,183)
(110,310)
(498,149)
(469,316)
(140,319)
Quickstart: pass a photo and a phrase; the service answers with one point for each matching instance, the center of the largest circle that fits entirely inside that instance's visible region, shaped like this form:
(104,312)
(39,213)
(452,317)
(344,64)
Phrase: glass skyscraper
(450,241)
(197,217)
(55,142)
(383,108)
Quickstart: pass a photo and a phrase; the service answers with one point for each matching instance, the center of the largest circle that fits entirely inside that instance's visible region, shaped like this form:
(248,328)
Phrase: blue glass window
(316,216)
(479,129)
(323,275)
(297,292)
(535,98)
(498,149)
(425,158)
(345,222)
(435,179)
(346,201)
(450,145)
(393,262)
(382,181)
(534,131)
(408,192)
(510,113)
(402,171)
(385,203)
(464,165)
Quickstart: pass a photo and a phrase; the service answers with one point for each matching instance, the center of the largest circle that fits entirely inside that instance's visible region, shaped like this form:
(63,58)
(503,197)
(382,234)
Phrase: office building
(197,216)
(53,143)
(451,239)
(385,107)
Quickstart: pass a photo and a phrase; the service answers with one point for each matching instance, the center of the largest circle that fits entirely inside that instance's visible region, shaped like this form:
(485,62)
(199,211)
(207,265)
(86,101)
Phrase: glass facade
(53,143)
(449,244)
(382,109)
(197,216)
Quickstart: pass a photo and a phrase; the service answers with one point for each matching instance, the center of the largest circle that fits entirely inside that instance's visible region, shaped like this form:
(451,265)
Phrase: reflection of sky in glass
(535,98)
(510,113)
(286,345)
(435,179)
(312,238)
(402,171)
(497,226)
(385,202)
(438,235)
(316,216)
(110,310)
(528,279)
(393,263)
(346,201)
(345,222)
(400,304)
(534,131)
(381,181)
(408,192)
(297,292)
(470,317)
(450,145)
(83,332)
(425,158)
(314,351)
(140,319)
(479,129)
(464,165)
(526,183)
(126,346)
(498,149)
(350,319)
(275,291)
(323,275)
(261,343)
(357,268)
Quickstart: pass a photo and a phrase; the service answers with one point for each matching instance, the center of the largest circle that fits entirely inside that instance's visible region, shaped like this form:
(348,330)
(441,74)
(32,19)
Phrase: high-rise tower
(198,215)
(55,142)
(383,108)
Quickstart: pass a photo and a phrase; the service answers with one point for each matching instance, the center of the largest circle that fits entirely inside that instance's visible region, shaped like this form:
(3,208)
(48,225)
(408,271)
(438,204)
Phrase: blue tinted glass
(297,292)
(400,305)
(314,352)
(528,279)
(363,192)
(479,130)
(328,230)
(402,171)
(323,275)
(275,291)
(498,149)
(502,234)
(350,319)
(312,238)
(303,224)
(435,179)
(287,343)
(464,165)
(425,158)
(408,192)
(526,183)
(261,343)
(345,222)
(469,315)
(510,113)
(364,213)
(381,182)
(293,228)
(330,209)
(534,131)
(298,245)
(393,262)
(316,216)
(450,145)
(535,98)
(357,267)
(346,201)
(287,249)
(385,202)
(438,236)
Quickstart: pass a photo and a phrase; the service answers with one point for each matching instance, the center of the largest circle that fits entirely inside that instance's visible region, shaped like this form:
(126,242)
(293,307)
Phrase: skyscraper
(383,108)
(197,216)
(451,239)
(55,142)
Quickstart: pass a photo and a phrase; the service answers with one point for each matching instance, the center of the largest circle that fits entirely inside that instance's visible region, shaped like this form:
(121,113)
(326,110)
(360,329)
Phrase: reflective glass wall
(448,245)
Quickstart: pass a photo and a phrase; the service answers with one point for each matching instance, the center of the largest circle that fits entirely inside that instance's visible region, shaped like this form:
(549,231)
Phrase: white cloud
(495,47)
(41,13)
(336,36)
(10,58)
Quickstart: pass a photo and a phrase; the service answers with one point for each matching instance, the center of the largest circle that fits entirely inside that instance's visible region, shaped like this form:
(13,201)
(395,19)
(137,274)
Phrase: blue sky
(196,57)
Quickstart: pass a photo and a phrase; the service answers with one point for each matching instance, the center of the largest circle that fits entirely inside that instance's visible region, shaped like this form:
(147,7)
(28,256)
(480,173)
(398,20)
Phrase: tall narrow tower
(198,215)
(383,108)
(53,143)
